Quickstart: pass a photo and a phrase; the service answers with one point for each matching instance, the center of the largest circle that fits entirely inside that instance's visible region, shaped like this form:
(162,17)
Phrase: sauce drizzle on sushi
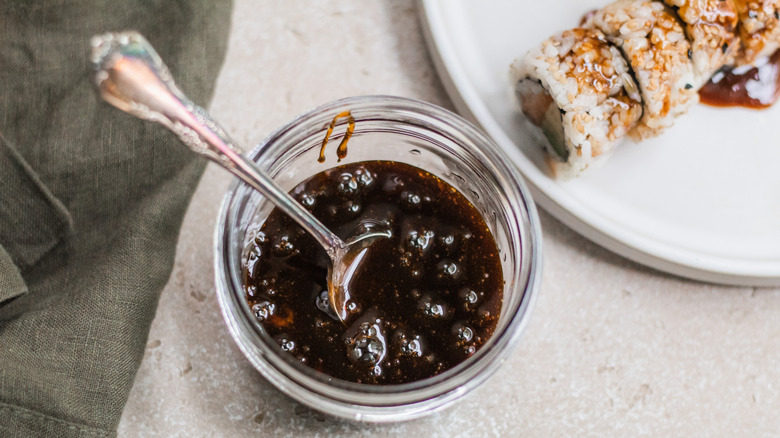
(752,87)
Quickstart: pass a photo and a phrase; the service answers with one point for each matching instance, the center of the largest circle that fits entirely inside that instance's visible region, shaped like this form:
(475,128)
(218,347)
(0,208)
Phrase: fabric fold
(34,220)
(91,202)
(12,284)
(33,424)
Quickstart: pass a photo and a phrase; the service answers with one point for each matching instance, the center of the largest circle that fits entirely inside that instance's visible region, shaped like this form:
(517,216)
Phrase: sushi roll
(711,28)
(759,29)
(654,44)
(577,88)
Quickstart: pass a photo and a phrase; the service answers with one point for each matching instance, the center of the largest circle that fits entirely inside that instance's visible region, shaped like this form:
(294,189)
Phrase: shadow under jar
(399,130)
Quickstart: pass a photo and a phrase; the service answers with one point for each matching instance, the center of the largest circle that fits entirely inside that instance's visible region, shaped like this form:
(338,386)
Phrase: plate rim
(630,245)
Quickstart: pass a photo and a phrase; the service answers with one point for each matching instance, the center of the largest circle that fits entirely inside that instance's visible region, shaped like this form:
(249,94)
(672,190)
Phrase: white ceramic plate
(701,201)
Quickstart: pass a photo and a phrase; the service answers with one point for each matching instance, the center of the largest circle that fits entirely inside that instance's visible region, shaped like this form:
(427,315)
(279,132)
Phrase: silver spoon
(130,75)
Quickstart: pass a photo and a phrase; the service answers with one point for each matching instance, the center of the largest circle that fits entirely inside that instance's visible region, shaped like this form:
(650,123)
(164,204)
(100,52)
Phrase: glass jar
(394,129)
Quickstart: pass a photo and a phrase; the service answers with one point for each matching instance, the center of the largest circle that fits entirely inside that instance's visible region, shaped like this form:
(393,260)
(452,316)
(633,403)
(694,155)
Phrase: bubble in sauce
(263,310)
(463,333)
(286,344)
(368,345)
(348,184)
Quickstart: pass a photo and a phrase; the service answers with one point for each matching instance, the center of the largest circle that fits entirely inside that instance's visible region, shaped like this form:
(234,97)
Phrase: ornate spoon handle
(131,76)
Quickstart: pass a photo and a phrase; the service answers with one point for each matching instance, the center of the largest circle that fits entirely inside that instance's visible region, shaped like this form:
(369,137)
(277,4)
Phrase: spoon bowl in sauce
(130,75)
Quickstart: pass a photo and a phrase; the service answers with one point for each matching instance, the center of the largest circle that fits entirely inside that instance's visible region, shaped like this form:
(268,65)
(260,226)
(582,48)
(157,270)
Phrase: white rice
(655,47)
(589,83)
(711,28)
(759,28)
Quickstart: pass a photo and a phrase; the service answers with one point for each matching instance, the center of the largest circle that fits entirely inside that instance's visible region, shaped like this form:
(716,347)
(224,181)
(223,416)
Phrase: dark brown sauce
(422,301)
(757,87)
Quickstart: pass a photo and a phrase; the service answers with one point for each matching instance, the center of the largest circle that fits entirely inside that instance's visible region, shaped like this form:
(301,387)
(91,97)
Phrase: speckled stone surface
(612,349)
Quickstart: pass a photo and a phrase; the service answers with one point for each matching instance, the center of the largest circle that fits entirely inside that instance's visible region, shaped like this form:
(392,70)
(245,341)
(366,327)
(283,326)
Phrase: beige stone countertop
(612,348)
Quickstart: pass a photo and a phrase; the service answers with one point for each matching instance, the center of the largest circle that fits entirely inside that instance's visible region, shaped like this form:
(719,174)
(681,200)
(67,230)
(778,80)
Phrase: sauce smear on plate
(752,87)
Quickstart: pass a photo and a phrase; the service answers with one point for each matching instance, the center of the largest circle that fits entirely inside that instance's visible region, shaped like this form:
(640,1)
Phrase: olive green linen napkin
(91,201)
